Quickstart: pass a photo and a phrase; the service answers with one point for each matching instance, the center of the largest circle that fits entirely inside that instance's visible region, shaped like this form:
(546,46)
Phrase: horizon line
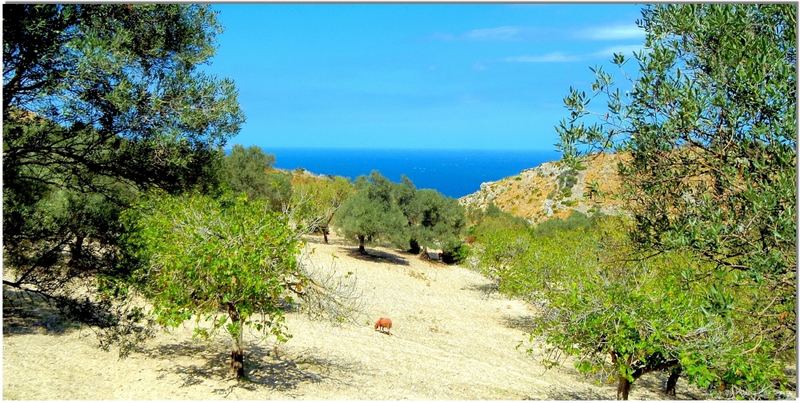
(227,148)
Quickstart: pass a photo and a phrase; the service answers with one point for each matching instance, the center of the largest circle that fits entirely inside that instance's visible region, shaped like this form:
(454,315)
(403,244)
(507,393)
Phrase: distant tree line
(402,215)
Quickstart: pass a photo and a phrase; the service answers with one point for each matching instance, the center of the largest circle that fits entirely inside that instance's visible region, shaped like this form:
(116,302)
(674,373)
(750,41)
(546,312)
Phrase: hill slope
(554,190)
(450,340)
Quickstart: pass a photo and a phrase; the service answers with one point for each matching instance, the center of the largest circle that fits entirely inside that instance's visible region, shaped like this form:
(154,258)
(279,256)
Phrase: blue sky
(446,76)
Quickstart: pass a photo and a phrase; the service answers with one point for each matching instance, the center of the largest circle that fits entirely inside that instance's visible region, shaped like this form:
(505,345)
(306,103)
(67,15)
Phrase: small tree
(249,170)
(711,125)
(404,194)
(623,316)
(371,213)
(227,263)
(435,220)
(315,201)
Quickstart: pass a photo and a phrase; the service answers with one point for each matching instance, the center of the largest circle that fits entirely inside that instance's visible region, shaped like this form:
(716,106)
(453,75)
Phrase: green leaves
(372,212)
(249,170)
(101,102)
(710,125)
(202,256)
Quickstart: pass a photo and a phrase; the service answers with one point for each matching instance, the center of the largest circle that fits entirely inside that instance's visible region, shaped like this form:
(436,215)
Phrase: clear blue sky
(446,76)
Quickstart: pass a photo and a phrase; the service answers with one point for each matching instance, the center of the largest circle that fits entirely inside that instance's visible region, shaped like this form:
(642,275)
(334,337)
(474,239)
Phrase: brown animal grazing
(383,324)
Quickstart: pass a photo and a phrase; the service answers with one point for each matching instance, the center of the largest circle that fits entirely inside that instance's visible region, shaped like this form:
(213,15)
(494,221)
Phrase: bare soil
(452,338)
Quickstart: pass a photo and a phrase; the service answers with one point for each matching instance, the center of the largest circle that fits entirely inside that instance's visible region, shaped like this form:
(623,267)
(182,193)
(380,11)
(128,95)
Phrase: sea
(454,173)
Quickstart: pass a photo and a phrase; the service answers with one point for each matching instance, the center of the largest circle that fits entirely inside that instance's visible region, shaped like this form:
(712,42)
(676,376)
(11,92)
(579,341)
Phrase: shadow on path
(27,313)
(488,289)
(283,372)
(376,256)
(586,394)
(525,322)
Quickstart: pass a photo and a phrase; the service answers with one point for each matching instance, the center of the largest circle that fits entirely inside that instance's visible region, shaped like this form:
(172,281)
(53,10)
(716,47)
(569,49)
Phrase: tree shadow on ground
(486,289)
(376,256)
(263,367)
(655,382)
(586,394)
(525,322)
(28,313)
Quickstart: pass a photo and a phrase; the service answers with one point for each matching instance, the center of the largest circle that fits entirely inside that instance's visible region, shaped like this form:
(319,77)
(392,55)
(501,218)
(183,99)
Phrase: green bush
(623,311)
(709,119)
(455,253)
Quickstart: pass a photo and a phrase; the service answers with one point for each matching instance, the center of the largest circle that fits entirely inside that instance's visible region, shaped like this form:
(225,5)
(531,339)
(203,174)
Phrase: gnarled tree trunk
(654,363)
(414,246)
(361,248)
(669,389)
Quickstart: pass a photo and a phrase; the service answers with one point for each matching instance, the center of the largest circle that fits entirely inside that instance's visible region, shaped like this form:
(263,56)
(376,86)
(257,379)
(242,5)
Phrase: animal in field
(383,325)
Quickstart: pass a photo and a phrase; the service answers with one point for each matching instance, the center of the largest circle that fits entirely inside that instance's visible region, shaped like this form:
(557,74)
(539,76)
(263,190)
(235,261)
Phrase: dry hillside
(452,339)
(554,190)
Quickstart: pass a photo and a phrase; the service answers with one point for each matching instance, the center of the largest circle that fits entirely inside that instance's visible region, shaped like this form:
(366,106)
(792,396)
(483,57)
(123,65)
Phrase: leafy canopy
(710,123)
(711,126)
(249,170)
(99,102)
(434,219)
(228,262)
(372,213)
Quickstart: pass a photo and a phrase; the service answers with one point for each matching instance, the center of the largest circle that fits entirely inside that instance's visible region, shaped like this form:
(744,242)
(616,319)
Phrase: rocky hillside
(554,190)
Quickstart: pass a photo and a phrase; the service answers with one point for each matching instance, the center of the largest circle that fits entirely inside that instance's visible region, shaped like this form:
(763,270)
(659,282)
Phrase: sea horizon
(453,172)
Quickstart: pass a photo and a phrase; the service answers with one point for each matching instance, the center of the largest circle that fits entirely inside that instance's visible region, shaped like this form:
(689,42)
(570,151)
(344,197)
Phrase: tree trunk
(623,388)
(414,246)
(361,248)
(424,255)
(237,353)
(672,381)
(237,362)
(76,250)
(326,228)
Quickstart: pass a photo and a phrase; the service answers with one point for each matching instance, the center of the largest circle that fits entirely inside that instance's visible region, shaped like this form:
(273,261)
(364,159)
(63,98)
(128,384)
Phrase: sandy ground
(451,340)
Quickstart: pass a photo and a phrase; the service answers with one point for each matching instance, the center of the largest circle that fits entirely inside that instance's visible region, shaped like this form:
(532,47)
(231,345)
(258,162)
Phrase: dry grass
(451,339)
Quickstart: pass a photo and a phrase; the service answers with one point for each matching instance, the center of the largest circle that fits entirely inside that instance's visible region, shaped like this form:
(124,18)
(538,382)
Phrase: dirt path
(451,340)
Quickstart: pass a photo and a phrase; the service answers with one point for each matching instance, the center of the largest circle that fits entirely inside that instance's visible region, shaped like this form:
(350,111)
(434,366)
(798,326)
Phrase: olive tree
(371,213)
(250,170)
(315,201)
(710,124)
(101,101)
(435,220)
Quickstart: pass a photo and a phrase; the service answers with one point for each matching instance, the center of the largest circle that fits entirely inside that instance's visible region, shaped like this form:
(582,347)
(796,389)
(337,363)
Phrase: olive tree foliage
(250,170)
(622,315)
(101,101)
(314,201)
(372,213)
(405,194)
(710,123)
(435,221)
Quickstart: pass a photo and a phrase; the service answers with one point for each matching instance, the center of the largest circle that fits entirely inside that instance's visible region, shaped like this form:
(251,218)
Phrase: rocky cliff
(554,190)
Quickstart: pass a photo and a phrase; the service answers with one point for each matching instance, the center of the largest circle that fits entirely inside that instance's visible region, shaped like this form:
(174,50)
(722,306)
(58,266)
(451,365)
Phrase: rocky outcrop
(553,189)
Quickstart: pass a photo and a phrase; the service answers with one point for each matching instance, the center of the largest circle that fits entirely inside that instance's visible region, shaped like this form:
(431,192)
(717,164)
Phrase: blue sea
(455,173)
